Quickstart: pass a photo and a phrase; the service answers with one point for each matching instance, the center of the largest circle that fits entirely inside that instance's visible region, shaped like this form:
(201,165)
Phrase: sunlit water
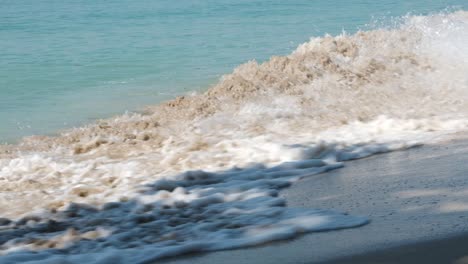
(65,63)
(203,172)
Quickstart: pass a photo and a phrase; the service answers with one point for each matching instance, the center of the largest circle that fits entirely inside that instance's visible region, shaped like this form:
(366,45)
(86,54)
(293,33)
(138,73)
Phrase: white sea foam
(203,172)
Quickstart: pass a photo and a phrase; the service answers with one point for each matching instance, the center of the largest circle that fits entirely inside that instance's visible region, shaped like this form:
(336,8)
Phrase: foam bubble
(97,191)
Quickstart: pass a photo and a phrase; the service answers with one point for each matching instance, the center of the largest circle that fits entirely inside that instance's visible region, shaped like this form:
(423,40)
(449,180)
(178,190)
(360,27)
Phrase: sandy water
(66,64)
(202,172)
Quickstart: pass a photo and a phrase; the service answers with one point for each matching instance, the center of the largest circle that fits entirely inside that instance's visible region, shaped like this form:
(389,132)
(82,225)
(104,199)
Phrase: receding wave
(202,172)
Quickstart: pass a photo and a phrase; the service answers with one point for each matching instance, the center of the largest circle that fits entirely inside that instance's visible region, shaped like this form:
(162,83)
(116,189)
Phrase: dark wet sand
(450,250)
(417,201)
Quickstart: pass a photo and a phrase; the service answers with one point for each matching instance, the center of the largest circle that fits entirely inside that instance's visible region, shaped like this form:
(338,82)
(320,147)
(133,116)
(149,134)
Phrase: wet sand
(449,250)
(417,201)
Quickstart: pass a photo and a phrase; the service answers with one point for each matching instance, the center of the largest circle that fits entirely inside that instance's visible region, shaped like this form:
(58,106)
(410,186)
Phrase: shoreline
(203,172)
(416,199)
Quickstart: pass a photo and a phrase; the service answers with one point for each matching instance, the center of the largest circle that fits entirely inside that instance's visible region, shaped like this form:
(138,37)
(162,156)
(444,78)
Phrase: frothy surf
(202,172)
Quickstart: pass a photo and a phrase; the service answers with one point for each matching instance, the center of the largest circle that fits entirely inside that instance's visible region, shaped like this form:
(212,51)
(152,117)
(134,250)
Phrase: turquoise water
(66,63)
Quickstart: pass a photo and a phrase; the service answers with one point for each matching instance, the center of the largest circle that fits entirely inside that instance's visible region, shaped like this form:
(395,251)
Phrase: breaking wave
(131,187)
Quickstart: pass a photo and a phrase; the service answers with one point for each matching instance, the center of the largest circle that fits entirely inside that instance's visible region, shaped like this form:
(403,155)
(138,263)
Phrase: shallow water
(202,172)
(67,63)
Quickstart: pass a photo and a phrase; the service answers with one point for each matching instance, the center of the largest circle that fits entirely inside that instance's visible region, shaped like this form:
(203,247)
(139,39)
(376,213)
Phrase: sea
(68,63)
(138,130)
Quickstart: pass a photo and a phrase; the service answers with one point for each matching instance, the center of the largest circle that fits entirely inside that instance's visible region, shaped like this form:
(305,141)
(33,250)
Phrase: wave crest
(333,99)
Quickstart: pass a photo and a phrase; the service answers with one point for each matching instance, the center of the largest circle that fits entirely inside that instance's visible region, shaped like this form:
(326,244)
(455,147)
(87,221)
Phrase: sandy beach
(417,201)
(211,170)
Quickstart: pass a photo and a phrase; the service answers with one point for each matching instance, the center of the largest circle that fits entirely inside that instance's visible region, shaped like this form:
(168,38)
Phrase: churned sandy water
(203,172)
